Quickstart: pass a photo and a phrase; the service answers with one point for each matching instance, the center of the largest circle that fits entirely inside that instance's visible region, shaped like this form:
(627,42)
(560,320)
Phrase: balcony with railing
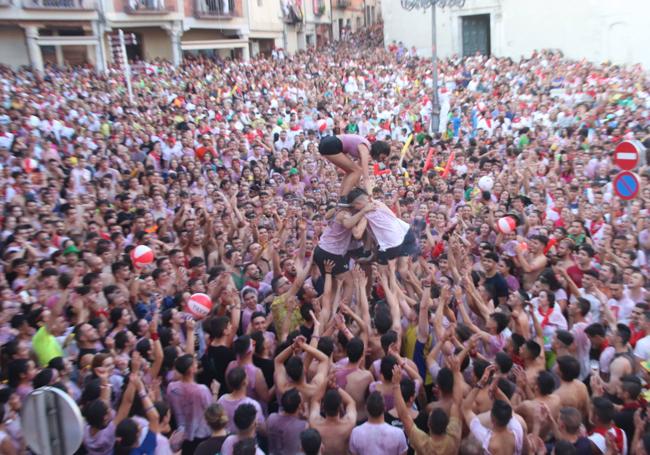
(149,6)
(60,5)
(343,4)
(218,9)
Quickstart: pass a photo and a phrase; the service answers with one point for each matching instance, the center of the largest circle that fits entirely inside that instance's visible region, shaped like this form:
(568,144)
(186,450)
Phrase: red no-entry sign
(626,156)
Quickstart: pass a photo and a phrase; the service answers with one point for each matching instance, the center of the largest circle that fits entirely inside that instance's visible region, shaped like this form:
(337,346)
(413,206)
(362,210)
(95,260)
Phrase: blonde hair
(216,417)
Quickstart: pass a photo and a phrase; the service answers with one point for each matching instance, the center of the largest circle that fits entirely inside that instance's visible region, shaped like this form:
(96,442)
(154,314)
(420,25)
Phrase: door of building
(476,34)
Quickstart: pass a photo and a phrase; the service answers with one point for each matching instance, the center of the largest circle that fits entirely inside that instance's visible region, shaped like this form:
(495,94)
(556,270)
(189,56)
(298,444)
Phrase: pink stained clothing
(373,438)
(335,238)
(284,433)
(251,376)
(188,402)
(229,445)
(483,435)
(230,406)
(351,144)
(389,399)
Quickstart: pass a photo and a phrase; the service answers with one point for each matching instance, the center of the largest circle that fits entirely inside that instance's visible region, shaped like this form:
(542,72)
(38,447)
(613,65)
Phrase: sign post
(626,156)
(626,185)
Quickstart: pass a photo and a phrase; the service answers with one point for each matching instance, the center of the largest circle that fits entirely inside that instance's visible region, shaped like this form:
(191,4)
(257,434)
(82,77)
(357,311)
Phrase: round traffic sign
(626,185)
(55,422)
(626,155)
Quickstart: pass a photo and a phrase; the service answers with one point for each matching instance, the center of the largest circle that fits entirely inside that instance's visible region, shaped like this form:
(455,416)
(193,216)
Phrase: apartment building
(38,32)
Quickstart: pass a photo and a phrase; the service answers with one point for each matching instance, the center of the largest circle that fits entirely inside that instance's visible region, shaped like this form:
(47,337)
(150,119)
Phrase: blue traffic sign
(626,185)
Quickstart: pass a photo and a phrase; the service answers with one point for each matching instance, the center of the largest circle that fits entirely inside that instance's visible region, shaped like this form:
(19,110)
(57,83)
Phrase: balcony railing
(217,9)
(342,4)
(147,7)
(59,4)
(319,7)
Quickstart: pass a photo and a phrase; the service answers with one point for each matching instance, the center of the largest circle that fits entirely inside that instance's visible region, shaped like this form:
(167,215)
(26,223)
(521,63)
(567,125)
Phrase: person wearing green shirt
(44,342)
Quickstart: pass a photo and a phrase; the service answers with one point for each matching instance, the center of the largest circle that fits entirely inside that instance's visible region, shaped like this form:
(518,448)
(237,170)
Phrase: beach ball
(141,255)
(199,305)
(322,125)
(30,165)
(486,183)
(506,225)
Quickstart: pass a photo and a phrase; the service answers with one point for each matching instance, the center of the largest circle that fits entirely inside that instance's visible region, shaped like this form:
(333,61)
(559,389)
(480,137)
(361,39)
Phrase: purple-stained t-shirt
(102,442)
(373,438)
(230,406)
(188,401)
(229,445)
(284,433)
(351,144)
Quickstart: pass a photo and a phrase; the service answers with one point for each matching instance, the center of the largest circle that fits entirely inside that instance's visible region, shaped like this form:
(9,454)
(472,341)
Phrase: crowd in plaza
(376,287)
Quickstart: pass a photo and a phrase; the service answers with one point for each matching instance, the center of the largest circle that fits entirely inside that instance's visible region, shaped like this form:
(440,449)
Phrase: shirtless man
(352,378)
(572,393)
(507,435)
(289,371)
(534,261)
(334,429)
(542,394)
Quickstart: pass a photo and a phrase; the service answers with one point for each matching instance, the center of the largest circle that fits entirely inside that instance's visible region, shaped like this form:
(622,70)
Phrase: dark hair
(501,413)
(290,401)
(624,332)
(326,345)
(294,368)
(258,338)
(126,435)
(564,336)
(387,339)
(603,409)
(379,148)
(355,349)
(383,320)
(184,363)
(236,377)
(534,348)
(386,367)
(438,421)
(569,367)
(241,345)
(43,378)
(375,404)
(331,402)
(244,417)
(310,441)
(501,320)
(355,193)
(15,369)
(95,412)
(584,305)
(545,383)
(504,362)
(479,366)
(632,388)
(445,380)
(595,330)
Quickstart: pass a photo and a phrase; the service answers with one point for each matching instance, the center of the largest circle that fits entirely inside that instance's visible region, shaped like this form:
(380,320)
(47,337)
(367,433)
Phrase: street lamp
(410,5)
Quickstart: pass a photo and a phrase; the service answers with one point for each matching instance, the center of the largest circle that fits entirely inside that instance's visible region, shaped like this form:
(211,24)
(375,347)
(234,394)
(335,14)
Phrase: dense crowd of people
(366,298)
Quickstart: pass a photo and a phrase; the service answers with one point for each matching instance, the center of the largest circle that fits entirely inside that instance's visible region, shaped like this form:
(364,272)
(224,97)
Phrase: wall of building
(13,50)
(155,43)
(592,29)
(265,16)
